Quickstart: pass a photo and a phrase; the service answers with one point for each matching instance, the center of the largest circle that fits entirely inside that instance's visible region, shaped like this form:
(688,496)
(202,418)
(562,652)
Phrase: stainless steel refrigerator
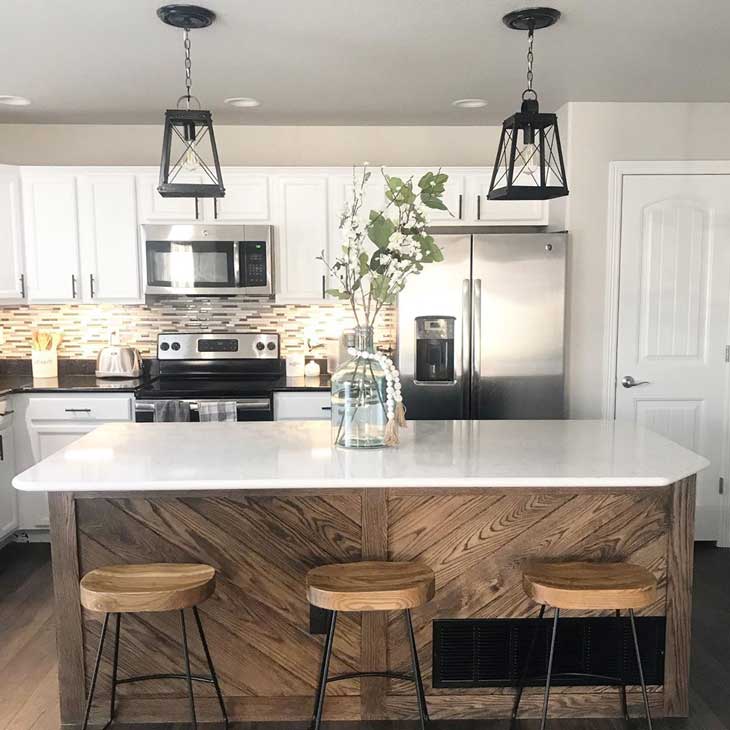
(481,334)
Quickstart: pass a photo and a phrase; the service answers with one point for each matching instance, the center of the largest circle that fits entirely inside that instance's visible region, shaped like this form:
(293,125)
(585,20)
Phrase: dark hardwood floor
(28,685)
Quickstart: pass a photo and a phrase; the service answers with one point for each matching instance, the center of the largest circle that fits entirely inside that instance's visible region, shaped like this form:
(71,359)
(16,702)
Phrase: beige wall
(78,144)
(598,134)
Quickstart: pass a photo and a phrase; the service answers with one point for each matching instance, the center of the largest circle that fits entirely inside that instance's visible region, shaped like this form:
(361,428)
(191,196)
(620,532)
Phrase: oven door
(192,267)
(247,409)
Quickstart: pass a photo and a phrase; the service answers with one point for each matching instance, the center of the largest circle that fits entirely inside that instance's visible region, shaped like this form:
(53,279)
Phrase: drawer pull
(78,410)
(326,408)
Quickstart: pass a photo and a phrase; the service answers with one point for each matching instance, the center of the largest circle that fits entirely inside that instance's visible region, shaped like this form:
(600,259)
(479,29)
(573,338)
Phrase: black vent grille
(492,652)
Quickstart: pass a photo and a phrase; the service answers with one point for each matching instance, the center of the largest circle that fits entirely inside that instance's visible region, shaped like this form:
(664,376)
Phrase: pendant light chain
(188,65)
(530,58)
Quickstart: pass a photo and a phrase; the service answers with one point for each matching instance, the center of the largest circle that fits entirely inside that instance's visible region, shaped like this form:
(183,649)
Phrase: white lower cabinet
(46,423)
(301,406)
(8,500)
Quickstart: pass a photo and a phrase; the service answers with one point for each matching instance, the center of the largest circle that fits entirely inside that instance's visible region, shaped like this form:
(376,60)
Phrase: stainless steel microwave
(186,258)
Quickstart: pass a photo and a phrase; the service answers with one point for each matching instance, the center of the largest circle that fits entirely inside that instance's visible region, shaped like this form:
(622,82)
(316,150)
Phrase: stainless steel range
(196,368)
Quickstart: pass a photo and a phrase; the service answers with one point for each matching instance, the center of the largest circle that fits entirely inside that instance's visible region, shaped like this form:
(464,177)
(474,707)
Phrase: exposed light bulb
(531,158)
(190,161)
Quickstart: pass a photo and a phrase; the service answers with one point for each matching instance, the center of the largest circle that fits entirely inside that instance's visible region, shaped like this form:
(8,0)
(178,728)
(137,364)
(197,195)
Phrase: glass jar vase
(359,386)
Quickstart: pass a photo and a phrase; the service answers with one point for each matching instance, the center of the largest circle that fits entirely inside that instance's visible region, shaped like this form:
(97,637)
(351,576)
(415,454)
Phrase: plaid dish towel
(217,410)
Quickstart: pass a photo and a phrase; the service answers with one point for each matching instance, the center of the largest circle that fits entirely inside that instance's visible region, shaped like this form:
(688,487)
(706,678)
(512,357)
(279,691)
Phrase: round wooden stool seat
(143,588)
(592,586)
(370,586)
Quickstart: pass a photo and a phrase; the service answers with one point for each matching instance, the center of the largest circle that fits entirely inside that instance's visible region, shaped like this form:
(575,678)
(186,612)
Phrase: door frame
(617,171)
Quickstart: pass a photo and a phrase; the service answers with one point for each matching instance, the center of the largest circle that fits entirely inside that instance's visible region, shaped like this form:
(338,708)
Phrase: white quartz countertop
(298,454)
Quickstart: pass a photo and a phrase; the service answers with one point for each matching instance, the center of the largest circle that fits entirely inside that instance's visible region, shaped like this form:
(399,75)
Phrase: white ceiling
(346,62)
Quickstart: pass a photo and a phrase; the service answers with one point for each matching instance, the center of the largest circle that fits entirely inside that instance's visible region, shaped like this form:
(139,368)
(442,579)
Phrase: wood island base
(258,622)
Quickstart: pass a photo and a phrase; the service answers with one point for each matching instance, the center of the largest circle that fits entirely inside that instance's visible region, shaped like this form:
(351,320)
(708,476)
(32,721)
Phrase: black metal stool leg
(213,675)
(115,666)
(523,677)
(187,670)
(324,671)
(641,669)
(94,676)
(417,679)
(546,701)
(624,703)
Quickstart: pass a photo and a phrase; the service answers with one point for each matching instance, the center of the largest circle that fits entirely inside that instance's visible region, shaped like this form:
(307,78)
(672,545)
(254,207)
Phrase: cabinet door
(314,406)
(110,258)
(501,212)
(246,199)
(8,501)
(12,274)
(51,237)
(453,196)
(302,218)
(153,208)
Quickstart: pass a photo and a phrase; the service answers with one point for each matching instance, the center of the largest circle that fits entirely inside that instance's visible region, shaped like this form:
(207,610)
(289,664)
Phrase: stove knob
(164,346)
(260,346)
(271,345)
(176,346)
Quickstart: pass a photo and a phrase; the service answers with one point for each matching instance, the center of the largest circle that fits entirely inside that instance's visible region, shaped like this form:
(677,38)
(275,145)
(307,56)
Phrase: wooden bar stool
(370,586)
(119,589)
(588,586)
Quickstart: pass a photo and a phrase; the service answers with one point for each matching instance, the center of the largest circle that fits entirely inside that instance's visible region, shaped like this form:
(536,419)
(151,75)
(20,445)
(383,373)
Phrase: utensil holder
(45,363)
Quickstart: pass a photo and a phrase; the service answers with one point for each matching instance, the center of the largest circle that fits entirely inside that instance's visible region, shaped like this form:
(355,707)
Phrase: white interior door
(673,319)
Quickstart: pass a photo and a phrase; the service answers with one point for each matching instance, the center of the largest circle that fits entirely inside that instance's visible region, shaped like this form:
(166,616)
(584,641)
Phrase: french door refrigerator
(481,334)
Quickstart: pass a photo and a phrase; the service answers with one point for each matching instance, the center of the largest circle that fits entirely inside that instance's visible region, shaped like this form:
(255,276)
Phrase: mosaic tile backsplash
(86,328)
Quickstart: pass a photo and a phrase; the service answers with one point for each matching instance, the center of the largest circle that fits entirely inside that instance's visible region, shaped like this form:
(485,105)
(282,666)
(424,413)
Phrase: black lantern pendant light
(529,163)
(188,139)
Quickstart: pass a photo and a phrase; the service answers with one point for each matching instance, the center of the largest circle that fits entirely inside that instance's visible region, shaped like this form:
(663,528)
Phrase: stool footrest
(600,678)
(149,677)
(355,675)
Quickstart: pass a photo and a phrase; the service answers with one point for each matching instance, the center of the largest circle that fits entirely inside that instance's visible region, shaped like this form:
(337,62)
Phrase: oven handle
(247,404)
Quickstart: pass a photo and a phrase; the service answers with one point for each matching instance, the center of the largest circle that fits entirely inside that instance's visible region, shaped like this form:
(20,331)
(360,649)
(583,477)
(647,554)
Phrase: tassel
(400,414)
(391,433)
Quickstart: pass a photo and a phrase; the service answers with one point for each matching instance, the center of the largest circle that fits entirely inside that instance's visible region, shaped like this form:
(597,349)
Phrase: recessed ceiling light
(469,103)
(10,100)
(243,101)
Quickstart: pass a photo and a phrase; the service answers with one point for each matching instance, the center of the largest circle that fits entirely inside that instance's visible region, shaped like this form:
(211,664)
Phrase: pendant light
(188,143)
(529,163)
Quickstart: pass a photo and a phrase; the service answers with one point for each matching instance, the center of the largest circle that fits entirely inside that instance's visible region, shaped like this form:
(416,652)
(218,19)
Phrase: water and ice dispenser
(434,350)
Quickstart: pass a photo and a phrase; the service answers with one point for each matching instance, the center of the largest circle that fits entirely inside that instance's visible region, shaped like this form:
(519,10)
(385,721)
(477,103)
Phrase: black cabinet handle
(215,208)
(460,206)
(326,408)
(2,451)
(479,207)
(73,286)
(22,286)
(324,293)
(7,413)
(197,209)
(91,286)
(77,410)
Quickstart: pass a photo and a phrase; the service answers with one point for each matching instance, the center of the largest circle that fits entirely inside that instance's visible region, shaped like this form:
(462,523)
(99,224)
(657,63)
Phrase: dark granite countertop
(78,377)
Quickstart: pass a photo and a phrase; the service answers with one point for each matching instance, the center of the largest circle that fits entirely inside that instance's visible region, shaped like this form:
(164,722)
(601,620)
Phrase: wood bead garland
(394,408)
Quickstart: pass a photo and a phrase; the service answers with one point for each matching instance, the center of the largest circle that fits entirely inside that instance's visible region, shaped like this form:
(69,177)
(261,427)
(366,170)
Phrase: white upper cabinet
(302,223)
(153,208)
(500,212)
(12,273)
(110,252)
(246,199)
(51,236)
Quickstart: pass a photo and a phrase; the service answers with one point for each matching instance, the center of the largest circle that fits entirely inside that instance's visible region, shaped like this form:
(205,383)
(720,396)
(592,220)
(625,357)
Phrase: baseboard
(36,535)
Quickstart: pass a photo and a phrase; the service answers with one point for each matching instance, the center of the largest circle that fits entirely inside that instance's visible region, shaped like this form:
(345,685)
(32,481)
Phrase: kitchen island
(265,502)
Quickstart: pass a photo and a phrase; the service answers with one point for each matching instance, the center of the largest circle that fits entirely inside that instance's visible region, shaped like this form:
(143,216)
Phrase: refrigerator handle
(465,340)
(476,347)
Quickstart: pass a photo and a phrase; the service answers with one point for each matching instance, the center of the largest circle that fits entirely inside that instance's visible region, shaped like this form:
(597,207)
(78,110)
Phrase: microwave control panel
(253,263)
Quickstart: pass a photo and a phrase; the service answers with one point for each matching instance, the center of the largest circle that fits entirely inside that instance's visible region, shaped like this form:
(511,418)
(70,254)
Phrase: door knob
(628,382)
